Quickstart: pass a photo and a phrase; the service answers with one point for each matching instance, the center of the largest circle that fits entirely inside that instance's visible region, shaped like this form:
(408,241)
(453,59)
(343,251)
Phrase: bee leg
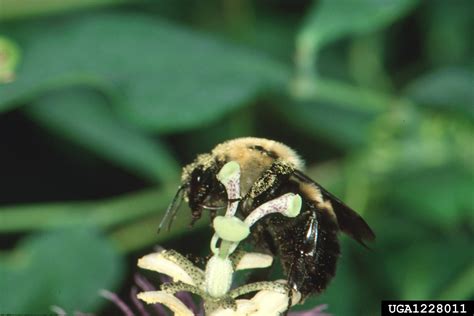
(291,286)
(304,252)
(316,253)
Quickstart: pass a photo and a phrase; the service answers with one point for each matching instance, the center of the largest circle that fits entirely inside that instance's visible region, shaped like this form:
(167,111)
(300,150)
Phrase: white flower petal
(159,263)
(270,303)
(170,301)
(264,303)
(244,307)
(254,260)
(225,312)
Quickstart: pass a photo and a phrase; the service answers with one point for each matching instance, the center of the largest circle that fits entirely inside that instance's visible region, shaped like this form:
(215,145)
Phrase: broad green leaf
(330,20)
(160,76)
(448,89)
(84,117)
(63,268)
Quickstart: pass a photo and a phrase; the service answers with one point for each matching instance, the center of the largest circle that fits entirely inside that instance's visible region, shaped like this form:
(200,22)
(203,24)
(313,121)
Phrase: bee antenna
(172,209)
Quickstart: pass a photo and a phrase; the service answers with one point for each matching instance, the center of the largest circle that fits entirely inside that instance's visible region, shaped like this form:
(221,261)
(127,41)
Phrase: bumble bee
(307,245)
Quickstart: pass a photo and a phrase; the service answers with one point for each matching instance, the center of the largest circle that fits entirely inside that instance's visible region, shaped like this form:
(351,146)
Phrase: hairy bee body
(307,245)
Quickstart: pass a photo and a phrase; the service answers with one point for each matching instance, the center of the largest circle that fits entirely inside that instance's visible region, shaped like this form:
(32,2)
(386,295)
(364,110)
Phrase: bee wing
(172,209)
(348,220)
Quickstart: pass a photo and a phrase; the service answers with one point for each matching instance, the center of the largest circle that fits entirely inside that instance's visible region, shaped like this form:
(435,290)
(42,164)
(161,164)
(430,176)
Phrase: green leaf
(330,20)
(448,89)
(161,77)
(84,117)
(63,268)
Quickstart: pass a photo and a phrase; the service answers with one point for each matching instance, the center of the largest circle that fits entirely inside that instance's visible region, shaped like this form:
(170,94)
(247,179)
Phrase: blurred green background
(103,101)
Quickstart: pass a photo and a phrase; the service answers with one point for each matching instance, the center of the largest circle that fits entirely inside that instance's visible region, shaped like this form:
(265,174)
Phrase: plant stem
(104,213)
(224,249)
(142,233)
(354,97)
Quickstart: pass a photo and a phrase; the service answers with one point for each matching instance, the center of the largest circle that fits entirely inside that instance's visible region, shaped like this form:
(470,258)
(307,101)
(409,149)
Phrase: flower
(213,284)
(244,307)
(271,298)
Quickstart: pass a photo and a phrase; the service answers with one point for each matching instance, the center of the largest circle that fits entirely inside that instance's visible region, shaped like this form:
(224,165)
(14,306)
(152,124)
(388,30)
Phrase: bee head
(204,191)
